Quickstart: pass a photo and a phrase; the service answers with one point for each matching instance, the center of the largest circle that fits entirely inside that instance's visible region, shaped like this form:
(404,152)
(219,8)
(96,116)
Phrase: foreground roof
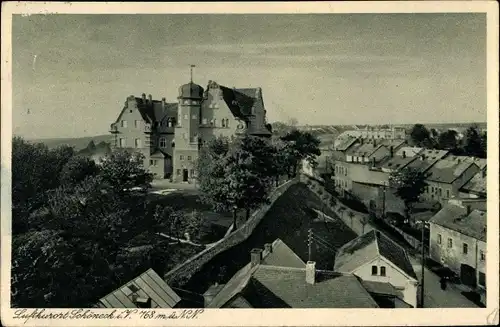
(455,217)
(477,184)
(369,246)
(447,171)
(148,285)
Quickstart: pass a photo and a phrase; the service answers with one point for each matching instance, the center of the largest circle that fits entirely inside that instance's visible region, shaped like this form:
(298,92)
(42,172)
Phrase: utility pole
(309,244)
(423,267)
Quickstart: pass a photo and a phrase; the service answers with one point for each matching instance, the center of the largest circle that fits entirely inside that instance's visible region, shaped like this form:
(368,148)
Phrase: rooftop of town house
(395,162)
(363,149)
(480,162)
(477,184)
(147,286)
(342,143)
(278,282)
(369,246)
(447,171)
(456,218)
(409,151)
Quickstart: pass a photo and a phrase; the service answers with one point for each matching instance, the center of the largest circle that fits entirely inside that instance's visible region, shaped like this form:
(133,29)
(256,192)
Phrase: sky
(72,73)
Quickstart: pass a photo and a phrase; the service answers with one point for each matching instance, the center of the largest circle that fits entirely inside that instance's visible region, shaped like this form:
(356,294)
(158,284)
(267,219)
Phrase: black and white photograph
(204,159)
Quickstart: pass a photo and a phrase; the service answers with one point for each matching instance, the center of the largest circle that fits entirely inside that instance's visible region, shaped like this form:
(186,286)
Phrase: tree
(448,140)
(409,184)
(125,171)
(77,169)
(419,135)
(475,143)
(300,146)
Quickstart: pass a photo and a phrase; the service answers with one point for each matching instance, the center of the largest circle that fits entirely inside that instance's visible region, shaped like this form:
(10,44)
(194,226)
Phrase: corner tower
(187,139)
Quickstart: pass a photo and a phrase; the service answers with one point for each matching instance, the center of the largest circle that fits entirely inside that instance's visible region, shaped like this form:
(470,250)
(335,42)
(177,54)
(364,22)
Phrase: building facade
(458,241)
(170,135)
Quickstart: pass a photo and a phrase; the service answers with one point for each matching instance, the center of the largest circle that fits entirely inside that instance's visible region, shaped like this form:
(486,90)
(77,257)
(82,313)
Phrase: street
(434,296)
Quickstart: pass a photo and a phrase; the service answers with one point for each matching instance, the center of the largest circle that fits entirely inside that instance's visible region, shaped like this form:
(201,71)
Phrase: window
(163,142)
(153,163)
(193,117)
(223,123)
(204,121)
(124,123)
(138,143)
(465,248)
(482,255)
(227,122)
(181,157)
(450,243)
(215,122)
(439,240)
(178,172)
(136,124)
(185,116)
(447,193)
(191,173)
(374,270)
(382,271)
(123,143)
(432,189)
(189,158)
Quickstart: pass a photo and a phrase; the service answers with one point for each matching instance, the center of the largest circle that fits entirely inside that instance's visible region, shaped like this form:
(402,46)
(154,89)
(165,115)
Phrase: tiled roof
(379,288)
(365,149)
(477,184)
(455,217)
(367,247)
(148,286)
(447,171)
(154,112)
(239,101)
(396,144)
(396,162)
(480,162)
(410,151)
(280,255)
(344,143)
(284,287)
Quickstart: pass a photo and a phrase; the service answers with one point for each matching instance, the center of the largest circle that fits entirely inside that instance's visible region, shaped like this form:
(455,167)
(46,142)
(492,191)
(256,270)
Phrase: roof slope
(447,171)
(367,247)
(147,285)
(287,287)
(455,217)
(477,184)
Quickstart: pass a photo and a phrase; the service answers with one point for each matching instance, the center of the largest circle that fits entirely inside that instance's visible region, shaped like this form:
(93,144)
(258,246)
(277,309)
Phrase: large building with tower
(170,135)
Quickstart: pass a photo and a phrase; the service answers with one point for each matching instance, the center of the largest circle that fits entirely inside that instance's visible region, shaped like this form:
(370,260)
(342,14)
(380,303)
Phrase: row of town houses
(360,167)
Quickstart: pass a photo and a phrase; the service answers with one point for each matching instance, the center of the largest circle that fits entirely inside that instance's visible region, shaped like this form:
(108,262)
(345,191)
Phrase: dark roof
(191,91)
(154,111)
(367,247)
(147,285)
(455,217)
(366,149)
(477,184)
(239,101)
(158,153)
(344,143)
(285,287)
(396,162)
(447,171)
(281,254)
(382,288)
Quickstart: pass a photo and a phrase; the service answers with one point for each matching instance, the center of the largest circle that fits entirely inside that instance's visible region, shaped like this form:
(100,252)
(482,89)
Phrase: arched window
(227,122)
(169,122)
(163,142)
(223,123)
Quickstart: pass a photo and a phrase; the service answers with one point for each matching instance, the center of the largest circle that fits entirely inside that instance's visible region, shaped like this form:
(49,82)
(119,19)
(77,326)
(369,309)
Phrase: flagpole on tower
(192,66)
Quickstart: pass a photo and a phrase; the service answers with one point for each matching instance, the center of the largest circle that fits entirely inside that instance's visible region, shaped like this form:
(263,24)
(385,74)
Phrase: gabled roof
(369,246)
(477,184)
(154,111)
(455,217)
(285,287)
(365,149)
(147,285)
(239,101)
(382,288)
(344,143)
(396,162)
(280,255)
(410,151)
(158,153)
(447,171)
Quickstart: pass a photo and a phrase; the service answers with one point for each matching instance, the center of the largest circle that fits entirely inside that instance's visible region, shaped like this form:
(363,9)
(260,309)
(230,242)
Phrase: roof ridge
(376,240)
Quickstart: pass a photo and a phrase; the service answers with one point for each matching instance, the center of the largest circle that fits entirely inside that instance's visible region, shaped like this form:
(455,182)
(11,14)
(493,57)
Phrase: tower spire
(192,66)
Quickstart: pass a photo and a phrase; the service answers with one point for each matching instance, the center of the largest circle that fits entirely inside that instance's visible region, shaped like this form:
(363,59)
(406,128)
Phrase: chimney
(268,247)
(150,97)
(391,149)
(469,209)
(404,154)
(374,143)
(144,98)
(163,101)
(362,140)
(310,272)
(423,157)
(483,173)
(255,257)
(373,161)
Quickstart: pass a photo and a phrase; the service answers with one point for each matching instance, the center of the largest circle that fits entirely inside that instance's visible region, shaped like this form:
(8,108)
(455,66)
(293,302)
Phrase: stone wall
(183,272)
